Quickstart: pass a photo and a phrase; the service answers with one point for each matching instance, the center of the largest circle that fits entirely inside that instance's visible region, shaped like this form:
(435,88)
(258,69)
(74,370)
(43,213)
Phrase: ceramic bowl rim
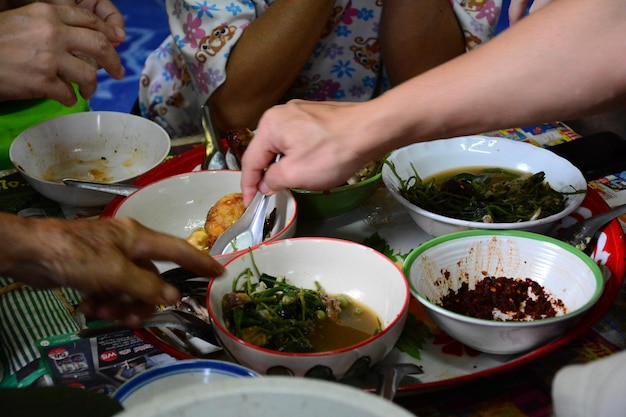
(342,188)
(576,199)
(95,113)
(515,234)
(288,224)
(183,366)
(392,324)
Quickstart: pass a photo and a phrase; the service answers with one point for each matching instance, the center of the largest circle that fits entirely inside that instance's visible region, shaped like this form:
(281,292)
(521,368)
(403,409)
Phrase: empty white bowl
(430,158)
(445,262)
(108,147)
(178,205)
(340,267)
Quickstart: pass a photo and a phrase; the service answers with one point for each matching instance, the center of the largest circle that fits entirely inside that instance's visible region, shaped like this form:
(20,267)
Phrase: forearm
(267,59)
(564,61)
(21,242)
(417,36)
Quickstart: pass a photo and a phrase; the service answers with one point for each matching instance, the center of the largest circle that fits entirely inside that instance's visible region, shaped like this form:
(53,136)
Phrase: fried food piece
(198,239)
(222,215)
(238,140)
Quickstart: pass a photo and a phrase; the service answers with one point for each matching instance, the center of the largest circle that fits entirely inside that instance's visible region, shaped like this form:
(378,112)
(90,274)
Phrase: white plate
(163,379)
(276,396)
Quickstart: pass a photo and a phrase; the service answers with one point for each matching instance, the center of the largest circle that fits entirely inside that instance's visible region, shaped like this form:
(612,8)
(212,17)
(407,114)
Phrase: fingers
(146,244)
(125,310)
(106,11)
(103,9)
(90,38)
(254,164)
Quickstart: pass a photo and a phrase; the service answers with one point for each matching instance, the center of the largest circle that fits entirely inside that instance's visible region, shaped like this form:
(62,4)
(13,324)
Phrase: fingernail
(120,33)
(263,188)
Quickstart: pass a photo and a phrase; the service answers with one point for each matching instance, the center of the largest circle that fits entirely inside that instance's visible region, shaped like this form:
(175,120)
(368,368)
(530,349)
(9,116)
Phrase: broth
(356,323)
(492,175)
(485,194)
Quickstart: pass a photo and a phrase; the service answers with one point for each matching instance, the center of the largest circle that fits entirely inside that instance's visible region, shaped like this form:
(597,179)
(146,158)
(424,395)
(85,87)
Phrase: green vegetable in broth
(489,195)
(269,312)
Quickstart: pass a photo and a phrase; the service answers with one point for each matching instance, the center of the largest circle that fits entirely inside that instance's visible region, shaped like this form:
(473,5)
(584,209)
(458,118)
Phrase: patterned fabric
(190,64)
(27,315)
(478,19)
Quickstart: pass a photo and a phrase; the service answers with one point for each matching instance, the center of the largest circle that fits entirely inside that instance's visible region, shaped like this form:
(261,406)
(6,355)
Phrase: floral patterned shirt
(345,66)
(190,64)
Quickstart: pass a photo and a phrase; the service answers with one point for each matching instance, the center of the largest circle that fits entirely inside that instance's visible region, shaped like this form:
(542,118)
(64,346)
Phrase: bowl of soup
(481,182)
(319,307)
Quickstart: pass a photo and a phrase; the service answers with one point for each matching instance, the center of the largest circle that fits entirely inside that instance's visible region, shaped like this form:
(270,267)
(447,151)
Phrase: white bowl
(97,146)
(340,267)
(268,396)
(446,262)
(430,158)
(178,205)
(183,374)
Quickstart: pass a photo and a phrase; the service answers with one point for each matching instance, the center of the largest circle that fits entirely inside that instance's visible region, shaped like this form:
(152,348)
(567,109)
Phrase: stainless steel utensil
(248,230)
(213,154)
(171,319)
(581,234)
(390,376)
(117,189)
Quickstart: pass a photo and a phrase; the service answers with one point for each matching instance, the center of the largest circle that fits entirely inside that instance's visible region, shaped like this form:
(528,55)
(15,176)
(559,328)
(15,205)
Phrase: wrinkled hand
(320,143)
(45,47)
(109,261)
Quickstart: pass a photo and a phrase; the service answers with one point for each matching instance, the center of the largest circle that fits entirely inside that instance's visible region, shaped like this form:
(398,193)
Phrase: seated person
(245,56)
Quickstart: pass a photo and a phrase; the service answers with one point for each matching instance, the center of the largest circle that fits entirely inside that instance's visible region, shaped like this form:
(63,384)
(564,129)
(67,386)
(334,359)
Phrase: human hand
(106,11)
(320,142)
(45,47)
(109,261)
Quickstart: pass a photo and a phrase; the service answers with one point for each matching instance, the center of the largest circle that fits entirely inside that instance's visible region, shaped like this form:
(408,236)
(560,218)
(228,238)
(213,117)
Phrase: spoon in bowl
(248,230)
(110,188)
(581,234)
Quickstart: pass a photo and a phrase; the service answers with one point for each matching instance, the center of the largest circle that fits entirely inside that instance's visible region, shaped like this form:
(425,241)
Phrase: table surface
(524,391)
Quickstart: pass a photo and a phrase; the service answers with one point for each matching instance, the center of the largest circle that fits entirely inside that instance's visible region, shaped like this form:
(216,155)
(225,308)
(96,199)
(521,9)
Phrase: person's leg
(416,36)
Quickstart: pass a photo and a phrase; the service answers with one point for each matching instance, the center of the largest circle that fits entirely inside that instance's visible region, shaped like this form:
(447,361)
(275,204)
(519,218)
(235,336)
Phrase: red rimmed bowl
(178,205)
(340,267)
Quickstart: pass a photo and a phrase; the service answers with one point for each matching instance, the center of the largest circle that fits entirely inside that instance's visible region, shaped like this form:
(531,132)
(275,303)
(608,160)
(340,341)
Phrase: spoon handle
(117,189)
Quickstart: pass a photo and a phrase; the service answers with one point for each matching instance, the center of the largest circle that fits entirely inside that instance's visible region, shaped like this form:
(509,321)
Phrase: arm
(108,260)
(72,43)
(533,72)
(417,36)
(267,58)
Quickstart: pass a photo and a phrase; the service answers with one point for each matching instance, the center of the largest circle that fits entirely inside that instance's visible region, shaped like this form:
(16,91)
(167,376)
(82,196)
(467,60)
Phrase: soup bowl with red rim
(570,281)
(340,267)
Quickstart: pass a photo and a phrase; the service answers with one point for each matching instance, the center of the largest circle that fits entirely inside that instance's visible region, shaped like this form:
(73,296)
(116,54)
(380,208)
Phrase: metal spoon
(248,230)
(390,376)
(213,154)
(117,189)
(172,319)
(581,234)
